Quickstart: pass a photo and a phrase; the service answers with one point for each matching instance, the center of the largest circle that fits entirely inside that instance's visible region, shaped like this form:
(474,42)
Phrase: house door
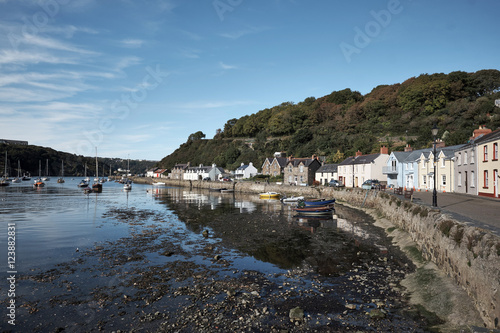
(356,182)
(495,183)
(466,183)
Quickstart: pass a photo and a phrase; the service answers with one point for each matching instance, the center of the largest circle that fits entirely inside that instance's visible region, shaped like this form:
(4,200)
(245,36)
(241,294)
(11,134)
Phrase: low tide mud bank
(468,254)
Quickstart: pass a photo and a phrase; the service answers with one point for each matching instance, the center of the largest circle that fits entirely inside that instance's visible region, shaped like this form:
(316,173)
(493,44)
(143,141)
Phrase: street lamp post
(435,130)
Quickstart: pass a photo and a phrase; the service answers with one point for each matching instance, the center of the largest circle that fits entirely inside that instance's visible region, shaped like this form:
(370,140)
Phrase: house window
(424,180)
(459,161)
(290,168)
(472,156)
(443,180)
(459,179)
(465,157)
(472,179)
(442,162)
(301,168)
(485,154)
(485,179)
(495,151)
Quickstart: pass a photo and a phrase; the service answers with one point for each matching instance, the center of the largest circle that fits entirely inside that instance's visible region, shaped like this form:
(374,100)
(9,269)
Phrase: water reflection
(272,232)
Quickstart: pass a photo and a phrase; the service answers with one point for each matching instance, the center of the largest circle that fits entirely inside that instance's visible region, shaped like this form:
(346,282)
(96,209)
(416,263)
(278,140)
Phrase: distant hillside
(346,121)
(74,165)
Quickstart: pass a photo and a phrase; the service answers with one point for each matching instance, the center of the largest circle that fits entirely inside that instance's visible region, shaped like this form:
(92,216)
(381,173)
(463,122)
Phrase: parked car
(370,183)
(226,179)
(207,179)
(335,183)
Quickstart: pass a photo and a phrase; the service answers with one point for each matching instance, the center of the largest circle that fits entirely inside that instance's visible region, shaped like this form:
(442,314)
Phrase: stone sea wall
(470,255)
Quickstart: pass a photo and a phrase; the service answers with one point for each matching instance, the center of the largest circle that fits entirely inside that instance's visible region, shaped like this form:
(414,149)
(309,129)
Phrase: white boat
(96,187)
(4,181)
(60,180)
(85,181)
(292,199)
(18,178)
(159,184)
(128,183)
(46,178)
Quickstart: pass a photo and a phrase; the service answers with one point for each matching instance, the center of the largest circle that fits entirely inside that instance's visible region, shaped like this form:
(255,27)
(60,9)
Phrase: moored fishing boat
(319,202)
(97,186)
(269,195)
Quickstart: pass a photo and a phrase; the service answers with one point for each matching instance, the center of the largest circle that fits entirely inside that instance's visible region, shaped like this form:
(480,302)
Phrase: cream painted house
(445,169)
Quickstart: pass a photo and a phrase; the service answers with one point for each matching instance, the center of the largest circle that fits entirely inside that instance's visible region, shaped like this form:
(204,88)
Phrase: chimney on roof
(384,150)
(290,157)
(314,157)
(440,144)
(358,153)
(408,148)
(482,130)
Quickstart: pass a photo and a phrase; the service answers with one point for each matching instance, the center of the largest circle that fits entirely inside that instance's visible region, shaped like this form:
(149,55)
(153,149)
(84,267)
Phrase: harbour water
(163,258)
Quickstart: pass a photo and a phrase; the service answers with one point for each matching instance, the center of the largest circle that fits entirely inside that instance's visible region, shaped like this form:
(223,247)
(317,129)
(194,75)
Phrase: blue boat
(319,202)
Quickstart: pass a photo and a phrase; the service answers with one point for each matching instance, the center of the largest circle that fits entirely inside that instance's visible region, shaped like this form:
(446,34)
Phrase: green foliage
(196,136)
(346,121)
(30,157)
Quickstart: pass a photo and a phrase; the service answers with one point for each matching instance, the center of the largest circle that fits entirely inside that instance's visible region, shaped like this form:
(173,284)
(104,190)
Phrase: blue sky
(136,78)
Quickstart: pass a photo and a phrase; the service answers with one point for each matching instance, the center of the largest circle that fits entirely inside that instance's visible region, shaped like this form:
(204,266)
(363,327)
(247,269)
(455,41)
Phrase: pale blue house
(394,170)
(409,174)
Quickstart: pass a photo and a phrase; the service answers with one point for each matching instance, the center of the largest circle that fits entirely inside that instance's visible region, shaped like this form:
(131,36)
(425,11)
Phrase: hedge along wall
(470,255)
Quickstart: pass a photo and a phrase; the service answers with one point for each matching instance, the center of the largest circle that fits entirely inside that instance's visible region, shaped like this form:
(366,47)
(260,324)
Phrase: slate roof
(330,168)
(306,161)
(363,159)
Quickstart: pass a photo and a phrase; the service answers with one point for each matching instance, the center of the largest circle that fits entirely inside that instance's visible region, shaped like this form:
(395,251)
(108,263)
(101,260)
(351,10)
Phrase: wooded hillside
(339,124)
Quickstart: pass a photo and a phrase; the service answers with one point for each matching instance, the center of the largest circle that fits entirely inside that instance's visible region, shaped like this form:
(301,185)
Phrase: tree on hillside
(196,136)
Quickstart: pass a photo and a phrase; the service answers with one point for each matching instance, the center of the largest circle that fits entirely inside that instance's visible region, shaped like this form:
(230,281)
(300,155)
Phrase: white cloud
(132,43)
(50,43)
(19,57)
(244,32)
(226,66)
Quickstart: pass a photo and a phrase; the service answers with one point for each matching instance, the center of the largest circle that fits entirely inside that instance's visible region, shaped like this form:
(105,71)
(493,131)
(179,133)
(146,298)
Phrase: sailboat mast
(96,165)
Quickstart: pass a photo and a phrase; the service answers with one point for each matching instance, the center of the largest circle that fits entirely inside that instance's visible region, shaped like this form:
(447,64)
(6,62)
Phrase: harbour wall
(468,254)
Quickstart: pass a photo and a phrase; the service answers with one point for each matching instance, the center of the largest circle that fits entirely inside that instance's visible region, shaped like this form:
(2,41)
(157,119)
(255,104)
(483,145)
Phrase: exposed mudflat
(221,270)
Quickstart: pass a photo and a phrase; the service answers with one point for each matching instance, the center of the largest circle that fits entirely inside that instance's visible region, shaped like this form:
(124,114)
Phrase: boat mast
(96,165)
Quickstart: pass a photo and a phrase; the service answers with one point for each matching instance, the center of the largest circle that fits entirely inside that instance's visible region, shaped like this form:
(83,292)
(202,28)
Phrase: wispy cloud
(132,43)
(226,66)
(23,57)
(50,43)
(243,32)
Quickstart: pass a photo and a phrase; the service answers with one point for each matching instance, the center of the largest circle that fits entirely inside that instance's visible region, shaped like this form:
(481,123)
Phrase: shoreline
(464,256)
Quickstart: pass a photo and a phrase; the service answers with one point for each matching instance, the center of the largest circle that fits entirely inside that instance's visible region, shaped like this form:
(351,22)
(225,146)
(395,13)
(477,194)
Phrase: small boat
(226,190)
(38,182)
(26,178)
(269,195)
(4,181)
(319,202)
(97,186)
(46,178)
(159,184)
(292,199)
(83,183)
(314,209)
(317,213)
(60,180)
(18,178)
(127,187)
(87,190)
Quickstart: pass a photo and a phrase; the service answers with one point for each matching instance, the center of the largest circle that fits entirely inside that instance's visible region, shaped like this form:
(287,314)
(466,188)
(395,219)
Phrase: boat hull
(320,202)
(269,195)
